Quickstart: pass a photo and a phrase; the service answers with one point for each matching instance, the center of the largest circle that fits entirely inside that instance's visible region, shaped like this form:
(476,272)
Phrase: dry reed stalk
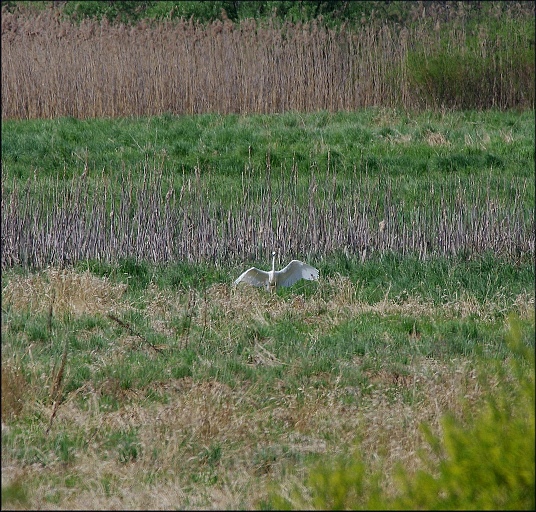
(55,393)
(133,332)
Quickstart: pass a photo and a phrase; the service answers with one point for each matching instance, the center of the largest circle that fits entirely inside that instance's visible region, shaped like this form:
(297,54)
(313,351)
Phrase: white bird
(287,276)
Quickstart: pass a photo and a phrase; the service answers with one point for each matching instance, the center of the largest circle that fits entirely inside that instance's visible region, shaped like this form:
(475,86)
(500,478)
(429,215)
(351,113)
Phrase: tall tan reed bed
(52,67)
(195,218)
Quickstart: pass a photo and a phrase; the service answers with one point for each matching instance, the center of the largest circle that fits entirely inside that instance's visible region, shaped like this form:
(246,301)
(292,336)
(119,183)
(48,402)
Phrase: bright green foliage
(344,485)
(456,78)
(338,486)
(332,13)
(490,466)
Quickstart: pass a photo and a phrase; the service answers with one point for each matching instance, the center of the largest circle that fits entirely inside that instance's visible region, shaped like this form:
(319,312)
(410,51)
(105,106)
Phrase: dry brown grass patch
(14,387)
(66,291)
(436,139)
(507,136)
(258,441)
(479,140)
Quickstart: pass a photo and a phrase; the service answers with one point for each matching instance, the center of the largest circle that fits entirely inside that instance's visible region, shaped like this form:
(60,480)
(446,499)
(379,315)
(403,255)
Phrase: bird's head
(273,253)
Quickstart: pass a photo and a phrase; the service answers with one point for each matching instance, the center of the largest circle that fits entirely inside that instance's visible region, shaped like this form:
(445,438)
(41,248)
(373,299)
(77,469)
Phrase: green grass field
(131,384)
(386,141)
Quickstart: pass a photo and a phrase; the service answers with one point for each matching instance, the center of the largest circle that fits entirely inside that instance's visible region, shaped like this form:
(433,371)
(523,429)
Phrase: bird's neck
(273,263)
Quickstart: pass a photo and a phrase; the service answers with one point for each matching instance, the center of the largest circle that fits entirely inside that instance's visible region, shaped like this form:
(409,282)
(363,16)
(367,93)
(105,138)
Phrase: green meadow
(386,141)
(403,378)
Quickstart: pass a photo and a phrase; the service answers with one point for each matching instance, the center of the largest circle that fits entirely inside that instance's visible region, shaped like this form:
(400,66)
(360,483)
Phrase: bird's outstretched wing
(295,271)
(253,276)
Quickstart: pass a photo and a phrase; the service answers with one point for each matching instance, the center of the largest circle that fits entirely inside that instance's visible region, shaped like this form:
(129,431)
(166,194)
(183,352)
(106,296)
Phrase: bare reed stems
(160,219)
(53,68)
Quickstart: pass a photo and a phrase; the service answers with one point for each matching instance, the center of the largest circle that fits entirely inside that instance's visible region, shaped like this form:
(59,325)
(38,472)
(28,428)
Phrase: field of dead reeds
(179,219)
(54,67)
